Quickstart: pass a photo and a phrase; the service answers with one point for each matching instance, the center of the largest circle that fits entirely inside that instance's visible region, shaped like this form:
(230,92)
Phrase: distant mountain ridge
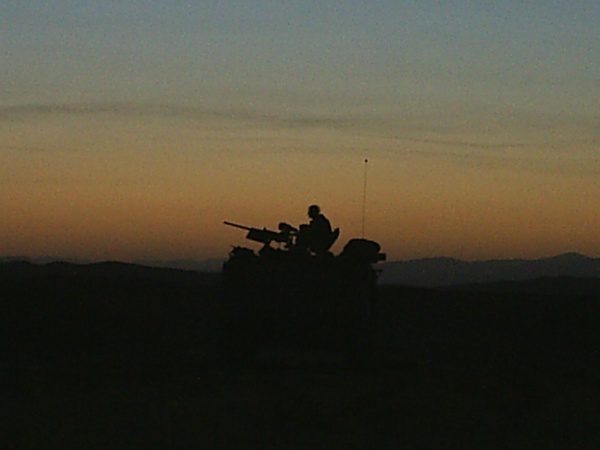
(206,265)
(437,272)
(13,269)
(426,272)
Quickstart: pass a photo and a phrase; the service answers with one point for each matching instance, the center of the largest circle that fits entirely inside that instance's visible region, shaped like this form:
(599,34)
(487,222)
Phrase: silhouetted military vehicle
(289,297)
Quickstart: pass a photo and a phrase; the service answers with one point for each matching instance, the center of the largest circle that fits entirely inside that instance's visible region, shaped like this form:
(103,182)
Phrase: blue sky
(468,51)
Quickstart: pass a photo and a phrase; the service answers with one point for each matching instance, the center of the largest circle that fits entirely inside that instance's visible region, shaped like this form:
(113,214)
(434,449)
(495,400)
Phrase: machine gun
(265,236)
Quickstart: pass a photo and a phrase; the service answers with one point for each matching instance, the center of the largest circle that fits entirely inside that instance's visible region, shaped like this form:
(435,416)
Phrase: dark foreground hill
(114,356)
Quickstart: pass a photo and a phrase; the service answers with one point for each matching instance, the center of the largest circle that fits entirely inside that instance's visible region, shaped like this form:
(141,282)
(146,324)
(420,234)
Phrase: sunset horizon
(131,132)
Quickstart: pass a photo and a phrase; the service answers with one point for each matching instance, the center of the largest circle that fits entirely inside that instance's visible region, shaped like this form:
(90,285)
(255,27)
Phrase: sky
(130,130)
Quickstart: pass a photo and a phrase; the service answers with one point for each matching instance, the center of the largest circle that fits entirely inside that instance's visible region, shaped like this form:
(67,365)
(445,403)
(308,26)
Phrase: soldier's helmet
(313,210)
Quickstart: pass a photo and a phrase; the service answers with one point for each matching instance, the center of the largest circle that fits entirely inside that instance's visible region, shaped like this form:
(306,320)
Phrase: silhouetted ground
(134,359)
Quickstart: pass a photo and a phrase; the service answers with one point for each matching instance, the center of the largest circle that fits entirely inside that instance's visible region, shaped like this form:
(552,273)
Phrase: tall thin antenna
(364,199)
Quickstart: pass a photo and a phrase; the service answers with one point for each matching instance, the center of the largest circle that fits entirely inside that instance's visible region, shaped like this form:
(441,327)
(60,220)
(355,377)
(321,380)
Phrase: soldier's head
(313,211)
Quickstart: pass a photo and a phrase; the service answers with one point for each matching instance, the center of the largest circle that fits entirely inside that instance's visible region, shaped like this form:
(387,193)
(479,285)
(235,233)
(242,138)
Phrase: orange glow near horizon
(129,188)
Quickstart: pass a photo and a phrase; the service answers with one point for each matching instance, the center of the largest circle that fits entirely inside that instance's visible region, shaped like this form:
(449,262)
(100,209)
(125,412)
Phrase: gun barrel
(237,225)
(263,236)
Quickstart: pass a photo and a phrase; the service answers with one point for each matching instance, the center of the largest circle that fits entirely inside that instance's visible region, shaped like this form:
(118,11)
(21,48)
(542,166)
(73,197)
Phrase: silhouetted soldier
(316,236)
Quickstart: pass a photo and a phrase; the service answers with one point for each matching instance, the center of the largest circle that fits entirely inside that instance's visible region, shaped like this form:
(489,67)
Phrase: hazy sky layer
(132,129)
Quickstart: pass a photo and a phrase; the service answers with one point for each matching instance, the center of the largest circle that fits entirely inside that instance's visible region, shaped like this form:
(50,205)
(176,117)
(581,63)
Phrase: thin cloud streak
(512,163)
(365,126)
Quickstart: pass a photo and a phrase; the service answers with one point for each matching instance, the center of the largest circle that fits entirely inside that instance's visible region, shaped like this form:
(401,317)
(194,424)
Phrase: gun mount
(285,235)
(291,297)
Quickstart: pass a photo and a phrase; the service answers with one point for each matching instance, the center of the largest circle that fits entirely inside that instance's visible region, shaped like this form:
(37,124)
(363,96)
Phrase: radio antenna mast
(364,209)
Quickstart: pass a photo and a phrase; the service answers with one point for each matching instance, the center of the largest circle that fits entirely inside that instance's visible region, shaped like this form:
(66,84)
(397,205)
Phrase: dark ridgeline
(438,272)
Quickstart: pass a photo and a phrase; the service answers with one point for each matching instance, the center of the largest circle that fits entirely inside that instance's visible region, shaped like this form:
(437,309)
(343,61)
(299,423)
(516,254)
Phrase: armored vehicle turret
(293,293)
